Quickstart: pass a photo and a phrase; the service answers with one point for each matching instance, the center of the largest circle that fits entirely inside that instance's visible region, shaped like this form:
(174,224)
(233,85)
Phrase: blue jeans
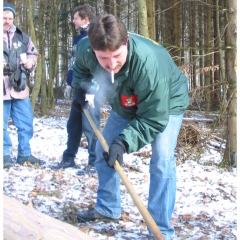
(78,124)
(162,189)
(21,113)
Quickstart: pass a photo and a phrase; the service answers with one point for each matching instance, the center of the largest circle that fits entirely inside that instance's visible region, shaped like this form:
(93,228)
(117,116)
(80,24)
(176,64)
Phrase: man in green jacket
(148,94)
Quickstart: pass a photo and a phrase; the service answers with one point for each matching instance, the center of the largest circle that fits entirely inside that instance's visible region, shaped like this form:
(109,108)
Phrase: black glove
(116,151)
(79,99)
(18,80)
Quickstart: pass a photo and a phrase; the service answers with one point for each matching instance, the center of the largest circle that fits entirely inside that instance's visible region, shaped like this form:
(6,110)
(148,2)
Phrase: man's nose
(112,63)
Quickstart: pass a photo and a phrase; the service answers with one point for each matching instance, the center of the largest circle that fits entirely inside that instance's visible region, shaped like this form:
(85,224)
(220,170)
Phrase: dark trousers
(78,124)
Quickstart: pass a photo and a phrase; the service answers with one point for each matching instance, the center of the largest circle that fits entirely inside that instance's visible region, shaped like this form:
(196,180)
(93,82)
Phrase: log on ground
(26,223)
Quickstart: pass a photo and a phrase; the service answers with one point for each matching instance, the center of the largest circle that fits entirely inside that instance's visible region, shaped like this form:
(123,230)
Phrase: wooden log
(26,223)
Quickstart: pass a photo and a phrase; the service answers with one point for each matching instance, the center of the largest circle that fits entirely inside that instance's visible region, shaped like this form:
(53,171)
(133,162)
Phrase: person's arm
(161,88)
(68,89)
(83,81)
(84,66)
(152,113)
(32,56)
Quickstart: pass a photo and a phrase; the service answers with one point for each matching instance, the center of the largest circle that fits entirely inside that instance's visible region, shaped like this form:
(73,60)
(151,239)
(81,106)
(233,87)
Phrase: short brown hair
(107,32)
(85,11)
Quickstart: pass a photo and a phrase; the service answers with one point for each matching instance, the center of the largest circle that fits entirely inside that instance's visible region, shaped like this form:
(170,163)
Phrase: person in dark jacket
(148,94)
(77,122)
(19,59)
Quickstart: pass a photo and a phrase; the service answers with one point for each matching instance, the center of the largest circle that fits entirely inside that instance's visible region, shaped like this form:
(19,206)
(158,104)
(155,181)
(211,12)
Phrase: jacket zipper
(4,89)
(8,40)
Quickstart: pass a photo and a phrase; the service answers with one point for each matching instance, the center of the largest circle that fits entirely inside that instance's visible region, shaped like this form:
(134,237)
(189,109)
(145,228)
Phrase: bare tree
(151,18)
(208,57)
(230,155)
(143,23)
(53,52)
(39,71)
(41,76)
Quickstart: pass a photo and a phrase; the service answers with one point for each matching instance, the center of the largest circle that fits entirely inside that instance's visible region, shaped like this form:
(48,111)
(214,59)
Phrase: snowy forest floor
(206,204)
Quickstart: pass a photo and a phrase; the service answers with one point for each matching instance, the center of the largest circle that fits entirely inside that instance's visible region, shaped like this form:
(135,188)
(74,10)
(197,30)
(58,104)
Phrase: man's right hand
(67,92)
(116,151)
(79,101)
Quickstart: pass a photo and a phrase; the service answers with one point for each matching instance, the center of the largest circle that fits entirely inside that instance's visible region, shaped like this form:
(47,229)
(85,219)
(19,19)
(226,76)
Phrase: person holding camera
(19,59)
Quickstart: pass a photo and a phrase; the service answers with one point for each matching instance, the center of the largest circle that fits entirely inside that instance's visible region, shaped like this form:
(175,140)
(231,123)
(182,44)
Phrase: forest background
(200,35)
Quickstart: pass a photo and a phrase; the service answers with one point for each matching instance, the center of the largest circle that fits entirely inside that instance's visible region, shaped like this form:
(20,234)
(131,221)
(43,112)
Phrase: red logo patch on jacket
(129,101)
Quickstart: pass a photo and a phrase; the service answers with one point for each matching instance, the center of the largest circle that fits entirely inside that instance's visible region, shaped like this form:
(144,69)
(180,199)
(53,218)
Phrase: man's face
(78,22)
(112,61)
(7,20)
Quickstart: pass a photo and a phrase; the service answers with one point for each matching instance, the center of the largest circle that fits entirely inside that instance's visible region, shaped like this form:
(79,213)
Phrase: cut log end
(23,222)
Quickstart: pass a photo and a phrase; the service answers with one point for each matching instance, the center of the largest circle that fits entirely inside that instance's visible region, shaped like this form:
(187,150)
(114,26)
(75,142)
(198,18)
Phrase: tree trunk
(151,18)
(193,44)
(114,8)
(201,42)
(118,8)
(219,45)
(67,42)
(39,76)
(143,23)
(216,76)
(42,56)
(30,22)
(176,33)
(230,155)
(107,7)
(36,87)
(157,21)
(183,34)
(53,53)
(208,57)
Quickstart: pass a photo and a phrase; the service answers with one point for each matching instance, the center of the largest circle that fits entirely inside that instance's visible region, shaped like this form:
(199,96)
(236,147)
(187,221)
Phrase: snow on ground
(206,205)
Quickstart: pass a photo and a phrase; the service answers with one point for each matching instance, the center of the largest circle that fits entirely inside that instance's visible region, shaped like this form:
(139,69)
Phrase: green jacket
(148,88)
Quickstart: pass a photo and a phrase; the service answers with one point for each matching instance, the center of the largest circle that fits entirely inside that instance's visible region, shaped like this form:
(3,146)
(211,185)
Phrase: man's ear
(86,20)
(128,37)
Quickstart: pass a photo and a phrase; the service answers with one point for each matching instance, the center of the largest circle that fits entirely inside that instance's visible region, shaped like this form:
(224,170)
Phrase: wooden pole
(142,209)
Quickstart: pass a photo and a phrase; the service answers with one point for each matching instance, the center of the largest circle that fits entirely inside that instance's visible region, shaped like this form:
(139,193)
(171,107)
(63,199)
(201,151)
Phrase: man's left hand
(116,151)
(29,64)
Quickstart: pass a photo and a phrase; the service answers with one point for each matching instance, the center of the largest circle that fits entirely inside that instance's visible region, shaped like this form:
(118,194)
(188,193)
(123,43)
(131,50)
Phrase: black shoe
(31,159)
(7,161)
(93,215)
(65,163)
(87,170)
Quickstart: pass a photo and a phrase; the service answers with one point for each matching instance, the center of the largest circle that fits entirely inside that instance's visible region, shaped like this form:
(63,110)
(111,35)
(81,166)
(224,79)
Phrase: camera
(6,70)
(25,71)
(23,77)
